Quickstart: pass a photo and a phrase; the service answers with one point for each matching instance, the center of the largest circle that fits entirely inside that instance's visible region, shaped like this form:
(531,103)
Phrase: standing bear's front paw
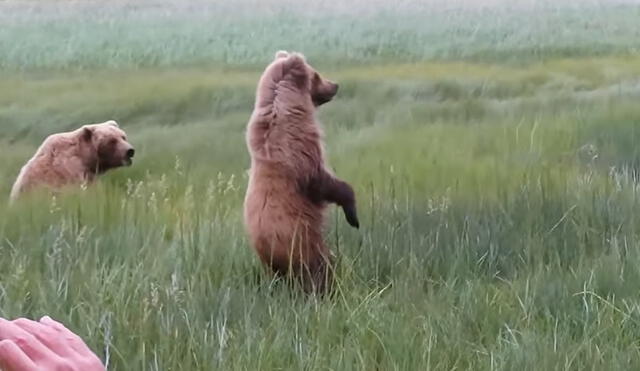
(351,215)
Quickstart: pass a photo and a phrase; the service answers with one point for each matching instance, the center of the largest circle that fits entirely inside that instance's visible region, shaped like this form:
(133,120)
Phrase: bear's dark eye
(124,138)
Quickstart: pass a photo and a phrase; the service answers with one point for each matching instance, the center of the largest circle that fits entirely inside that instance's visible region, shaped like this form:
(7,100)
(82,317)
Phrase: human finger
(29,344)
(69,336)
(12,358)
(47,335)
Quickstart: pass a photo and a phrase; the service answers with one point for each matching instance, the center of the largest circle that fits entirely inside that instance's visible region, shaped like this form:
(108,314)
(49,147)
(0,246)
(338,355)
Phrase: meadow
(493,146)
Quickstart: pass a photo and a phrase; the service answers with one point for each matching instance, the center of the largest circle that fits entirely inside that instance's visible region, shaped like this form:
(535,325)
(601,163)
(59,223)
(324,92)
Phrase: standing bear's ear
(281,54)
(87,133)
(296,67)
(299,56)
(112,123)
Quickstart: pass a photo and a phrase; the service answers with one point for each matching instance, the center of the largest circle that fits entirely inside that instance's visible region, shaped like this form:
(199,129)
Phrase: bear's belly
(283,225)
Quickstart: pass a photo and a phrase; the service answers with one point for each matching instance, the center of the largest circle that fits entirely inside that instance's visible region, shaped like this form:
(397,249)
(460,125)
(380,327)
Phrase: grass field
(494,148)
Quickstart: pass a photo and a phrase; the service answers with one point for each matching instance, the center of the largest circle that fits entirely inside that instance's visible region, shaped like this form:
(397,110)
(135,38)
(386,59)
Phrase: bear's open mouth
(321,100)
(128,158)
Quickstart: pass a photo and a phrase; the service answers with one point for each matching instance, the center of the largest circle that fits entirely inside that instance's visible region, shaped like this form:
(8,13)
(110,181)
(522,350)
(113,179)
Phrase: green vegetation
(494,153)
(54,34)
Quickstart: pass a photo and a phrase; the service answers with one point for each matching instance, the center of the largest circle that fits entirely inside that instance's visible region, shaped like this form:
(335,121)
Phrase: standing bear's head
(294,68)
(106,144)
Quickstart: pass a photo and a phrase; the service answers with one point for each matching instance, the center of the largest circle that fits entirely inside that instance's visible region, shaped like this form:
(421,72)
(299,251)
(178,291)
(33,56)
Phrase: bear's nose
(131,152)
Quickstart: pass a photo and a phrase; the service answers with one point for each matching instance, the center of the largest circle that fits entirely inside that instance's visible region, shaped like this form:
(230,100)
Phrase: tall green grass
(498,201)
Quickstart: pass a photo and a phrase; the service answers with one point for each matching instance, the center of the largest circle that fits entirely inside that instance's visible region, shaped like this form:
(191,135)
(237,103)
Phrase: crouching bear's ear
(87,133)
(112,123)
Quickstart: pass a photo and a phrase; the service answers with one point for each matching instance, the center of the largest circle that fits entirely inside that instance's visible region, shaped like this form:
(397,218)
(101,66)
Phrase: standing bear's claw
(352,216)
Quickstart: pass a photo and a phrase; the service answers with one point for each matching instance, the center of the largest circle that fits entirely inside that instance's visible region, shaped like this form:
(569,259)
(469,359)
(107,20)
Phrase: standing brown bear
(75,158)
(289,184)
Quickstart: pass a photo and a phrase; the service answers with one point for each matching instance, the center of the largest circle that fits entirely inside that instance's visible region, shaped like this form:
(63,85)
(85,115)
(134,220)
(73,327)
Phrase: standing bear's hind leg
(317,277)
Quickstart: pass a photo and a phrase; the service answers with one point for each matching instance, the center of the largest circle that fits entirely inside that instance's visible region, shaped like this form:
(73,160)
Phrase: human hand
(47,345)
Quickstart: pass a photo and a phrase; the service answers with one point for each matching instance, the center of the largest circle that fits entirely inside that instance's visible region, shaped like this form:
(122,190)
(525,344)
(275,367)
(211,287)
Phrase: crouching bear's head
(296,69)
(107,145)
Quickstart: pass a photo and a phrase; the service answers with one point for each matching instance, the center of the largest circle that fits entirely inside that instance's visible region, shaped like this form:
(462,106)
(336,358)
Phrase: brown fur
(75,158)
(289,184)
